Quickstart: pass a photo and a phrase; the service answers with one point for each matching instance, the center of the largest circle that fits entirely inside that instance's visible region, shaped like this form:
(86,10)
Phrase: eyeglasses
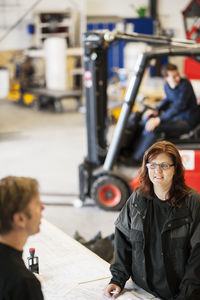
(162,166)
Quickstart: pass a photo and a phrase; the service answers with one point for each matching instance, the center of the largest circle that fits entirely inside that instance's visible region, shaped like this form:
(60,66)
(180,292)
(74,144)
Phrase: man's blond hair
(15,195)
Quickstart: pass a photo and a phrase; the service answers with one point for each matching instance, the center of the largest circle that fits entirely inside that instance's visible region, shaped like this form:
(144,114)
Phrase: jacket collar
(177,213)
(140,203)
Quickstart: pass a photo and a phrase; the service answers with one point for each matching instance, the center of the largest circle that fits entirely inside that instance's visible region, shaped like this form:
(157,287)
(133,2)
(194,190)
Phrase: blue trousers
(171,129)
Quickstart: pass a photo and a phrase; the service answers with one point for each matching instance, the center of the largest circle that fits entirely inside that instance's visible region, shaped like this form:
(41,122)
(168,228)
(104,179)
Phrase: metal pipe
(153,8)
(110,36)
(173,51)
(129,100)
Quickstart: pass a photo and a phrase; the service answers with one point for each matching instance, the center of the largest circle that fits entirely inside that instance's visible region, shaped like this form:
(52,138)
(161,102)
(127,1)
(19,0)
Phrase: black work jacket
(180,245)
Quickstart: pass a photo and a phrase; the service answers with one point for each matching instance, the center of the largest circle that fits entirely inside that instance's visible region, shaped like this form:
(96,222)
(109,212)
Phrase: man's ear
(19,220)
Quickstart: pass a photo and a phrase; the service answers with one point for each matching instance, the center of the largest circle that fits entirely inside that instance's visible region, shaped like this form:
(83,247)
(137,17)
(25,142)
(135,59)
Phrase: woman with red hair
(157,237)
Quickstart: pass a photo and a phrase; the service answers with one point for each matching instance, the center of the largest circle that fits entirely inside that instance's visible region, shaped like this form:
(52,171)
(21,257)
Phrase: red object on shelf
(191,68)
(191,18)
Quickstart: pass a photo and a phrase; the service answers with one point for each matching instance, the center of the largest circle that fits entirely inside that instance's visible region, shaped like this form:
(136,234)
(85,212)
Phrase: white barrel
(55,63)
(4,80)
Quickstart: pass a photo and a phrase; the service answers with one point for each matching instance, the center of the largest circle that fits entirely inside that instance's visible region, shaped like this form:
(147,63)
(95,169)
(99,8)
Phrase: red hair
(178,189)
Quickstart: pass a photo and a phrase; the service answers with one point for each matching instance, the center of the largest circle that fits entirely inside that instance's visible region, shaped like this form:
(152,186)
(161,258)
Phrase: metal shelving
(54,23)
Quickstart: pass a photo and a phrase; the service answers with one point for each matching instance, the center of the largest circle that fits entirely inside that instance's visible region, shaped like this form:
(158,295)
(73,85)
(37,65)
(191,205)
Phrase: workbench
(69,271)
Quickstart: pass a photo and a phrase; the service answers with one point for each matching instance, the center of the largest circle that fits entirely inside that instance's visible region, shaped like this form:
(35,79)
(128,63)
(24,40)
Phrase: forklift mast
(95,80)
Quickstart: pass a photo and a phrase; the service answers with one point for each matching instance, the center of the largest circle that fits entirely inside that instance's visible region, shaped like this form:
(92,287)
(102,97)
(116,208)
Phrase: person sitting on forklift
(176,115)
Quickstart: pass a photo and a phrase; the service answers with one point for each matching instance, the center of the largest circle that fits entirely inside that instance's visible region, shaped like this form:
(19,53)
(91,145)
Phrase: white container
(4,80)
(55,63)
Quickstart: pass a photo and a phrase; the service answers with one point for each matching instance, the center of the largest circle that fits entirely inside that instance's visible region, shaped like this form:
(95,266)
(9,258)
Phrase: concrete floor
(49,147)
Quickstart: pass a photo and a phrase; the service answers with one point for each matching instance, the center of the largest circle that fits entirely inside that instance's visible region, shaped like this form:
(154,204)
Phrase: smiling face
(161,178)
(173,78)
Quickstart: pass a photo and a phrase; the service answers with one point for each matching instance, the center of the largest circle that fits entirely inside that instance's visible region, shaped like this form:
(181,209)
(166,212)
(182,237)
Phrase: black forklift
(99,177)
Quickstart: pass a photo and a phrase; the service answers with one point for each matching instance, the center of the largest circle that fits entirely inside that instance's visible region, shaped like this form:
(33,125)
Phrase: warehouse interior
(43,97)
(49,142)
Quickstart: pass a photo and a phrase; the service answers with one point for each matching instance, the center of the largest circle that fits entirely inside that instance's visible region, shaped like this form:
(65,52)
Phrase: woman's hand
(112,291)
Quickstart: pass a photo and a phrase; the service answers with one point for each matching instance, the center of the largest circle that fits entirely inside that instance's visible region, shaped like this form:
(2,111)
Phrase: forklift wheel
(109,192)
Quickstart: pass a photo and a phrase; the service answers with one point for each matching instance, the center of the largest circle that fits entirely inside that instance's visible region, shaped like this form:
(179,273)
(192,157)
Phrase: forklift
(99,177)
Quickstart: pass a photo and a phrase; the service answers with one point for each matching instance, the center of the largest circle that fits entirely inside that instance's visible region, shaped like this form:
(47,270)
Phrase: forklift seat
(190,140)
